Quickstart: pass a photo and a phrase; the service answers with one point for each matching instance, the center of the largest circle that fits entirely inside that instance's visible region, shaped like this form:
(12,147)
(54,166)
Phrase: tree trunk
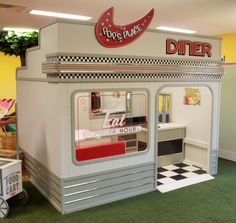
(22,59)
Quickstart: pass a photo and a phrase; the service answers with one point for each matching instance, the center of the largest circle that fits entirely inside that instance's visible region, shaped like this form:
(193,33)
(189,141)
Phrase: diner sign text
(188,47)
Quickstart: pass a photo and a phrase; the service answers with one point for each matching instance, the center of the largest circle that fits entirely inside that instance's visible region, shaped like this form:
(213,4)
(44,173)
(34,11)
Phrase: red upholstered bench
(100,150)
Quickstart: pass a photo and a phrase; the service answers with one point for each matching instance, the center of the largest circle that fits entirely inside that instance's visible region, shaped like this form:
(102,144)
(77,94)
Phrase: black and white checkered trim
(125,76)
(130,60)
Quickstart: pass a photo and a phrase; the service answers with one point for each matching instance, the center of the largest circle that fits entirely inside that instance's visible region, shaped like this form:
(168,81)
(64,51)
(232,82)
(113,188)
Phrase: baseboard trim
(191,162)
(228,155)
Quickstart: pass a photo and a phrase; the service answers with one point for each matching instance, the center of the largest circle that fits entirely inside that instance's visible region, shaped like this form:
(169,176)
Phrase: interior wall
(197,119)
(227,115)
(227,143)
(8,65)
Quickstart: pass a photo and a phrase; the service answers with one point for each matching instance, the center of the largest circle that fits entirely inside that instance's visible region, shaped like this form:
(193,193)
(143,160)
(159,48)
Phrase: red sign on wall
(192,48)
(111,35)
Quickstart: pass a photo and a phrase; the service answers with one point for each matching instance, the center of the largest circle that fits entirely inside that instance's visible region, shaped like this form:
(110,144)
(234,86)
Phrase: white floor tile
(166,180)
(189,174)
(169,173)
(170,167)
(191,168)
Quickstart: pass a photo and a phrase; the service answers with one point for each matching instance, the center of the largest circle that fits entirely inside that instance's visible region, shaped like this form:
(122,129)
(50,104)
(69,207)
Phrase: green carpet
(209,202)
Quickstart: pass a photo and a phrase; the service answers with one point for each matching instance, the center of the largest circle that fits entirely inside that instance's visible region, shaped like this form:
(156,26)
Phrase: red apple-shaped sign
(111,35)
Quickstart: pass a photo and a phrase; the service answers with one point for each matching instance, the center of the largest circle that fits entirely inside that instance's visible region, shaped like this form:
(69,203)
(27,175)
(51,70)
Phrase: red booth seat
(100,150)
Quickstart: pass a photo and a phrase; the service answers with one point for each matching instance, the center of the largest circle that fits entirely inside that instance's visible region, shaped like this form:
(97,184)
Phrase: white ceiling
(208,17)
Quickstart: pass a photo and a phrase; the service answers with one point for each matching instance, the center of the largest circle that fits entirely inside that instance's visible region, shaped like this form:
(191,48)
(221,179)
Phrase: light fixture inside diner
(59,15)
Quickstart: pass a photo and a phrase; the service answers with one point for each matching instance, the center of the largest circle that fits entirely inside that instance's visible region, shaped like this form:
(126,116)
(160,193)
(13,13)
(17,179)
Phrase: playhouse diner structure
(97,123)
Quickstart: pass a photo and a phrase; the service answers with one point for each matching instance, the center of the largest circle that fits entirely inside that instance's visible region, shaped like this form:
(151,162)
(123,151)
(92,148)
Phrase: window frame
(115,157)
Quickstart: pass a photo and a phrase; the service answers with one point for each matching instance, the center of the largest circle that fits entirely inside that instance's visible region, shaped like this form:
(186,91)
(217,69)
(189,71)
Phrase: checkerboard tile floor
(176,172)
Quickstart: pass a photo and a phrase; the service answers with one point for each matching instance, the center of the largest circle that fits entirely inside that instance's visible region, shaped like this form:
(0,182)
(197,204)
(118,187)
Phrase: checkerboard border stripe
(125,76)
(129,60)
(121,76)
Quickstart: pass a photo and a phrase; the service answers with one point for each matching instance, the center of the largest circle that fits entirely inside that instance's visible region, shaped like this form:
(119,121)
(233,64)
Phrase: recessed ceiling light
(17,29)
(59,15)
(171,29)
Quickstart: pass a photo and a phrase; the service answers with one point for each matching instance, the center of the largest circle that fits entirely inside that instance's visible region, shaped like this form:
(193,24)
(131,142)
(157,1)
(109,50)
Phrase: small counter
(170,143)
(166,126)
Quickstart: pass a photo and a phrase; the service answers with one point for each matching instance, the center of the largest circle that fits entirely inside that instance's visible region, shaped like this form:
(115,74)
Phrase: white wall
(38,120)
(72,37)
(227,114)
(48,43)
(78,38)
(197,119)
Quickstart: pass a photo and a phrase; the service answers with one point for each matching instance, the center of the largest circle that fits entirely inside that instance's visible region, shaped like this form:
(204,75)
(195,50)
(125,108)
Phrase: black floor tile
(178,177)
(181,164)
(159,183)
(159,176)
(197,166)
(161,169)
(180,171)
(199,172)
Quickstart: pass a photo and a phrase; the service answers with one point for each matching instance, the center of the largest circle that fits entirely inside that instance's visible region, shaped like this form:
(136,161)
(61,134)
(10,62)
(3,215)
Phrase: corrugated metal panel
(89,191)
(46,182)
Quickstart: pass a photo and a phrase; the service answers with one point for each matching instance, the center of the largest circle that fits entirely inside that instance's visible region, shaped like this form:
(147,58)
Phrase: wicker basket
(8,142)
(11,154)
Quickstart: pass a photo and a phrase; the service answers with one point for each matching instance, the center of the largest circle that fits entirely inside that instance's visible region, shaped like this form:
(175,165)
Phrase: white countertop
(171,125)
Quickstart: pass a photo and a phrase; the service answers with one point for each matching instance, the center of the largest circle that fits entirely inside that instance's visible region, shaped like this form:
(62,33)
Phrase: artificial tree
(16,43)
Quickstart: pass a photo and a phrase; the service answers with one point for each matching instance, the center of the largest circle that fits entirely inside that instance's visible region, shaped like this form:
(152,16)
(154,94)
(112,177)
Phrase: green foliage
(16,43)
